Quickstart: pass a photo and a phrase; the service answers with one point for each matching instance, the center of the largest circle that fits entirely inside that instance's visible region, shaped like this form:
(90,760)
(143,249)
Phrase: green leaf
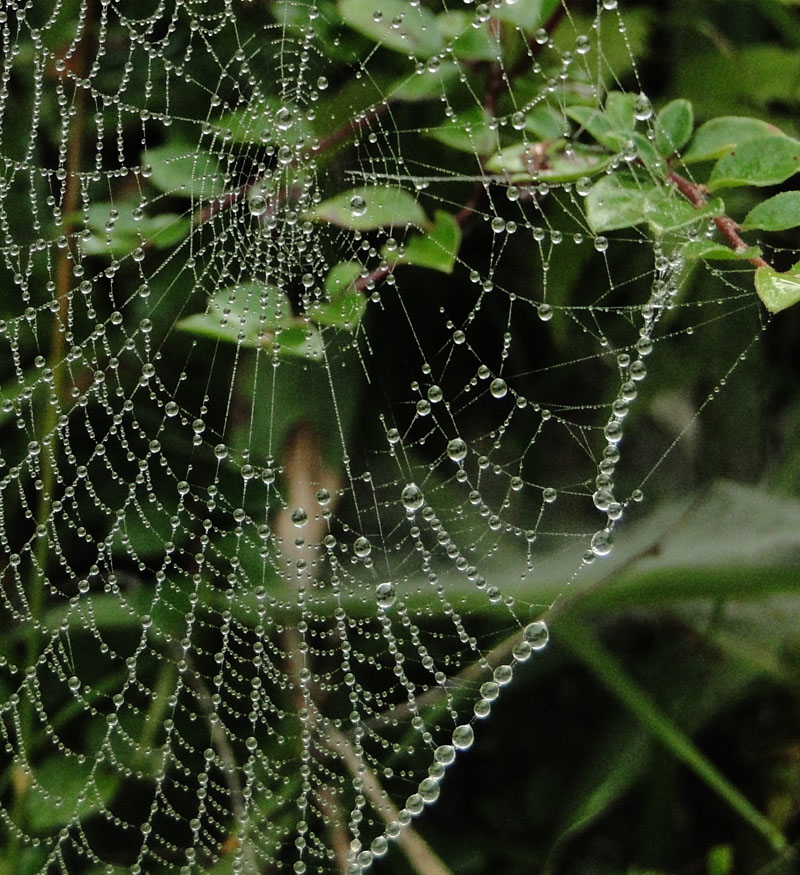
(467,42)
(417,35)
(776,213)
(346,304)
(526,14)
(60,782)
(594,121)
(673,126)
(763,161)
(260,123)
(469,131)
(256,316)
(546,122)
(369,207)
(619,110)
(437,249)
(721,135)
(717,251)
(778,290)
(597,659)
(429,86)
(548,162)
(127,233)
(184,171)
(341,278)
(622,201)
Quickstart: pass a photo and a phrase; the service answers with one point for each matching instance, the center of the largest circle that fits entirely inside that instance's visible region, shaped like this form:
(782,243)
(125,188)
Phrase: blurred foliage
(660,731)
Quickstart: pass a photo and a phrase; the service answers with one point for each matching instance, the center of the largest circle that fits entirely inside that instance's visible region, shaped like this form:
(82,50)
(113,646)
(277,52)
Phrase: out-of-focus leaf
(428,85)
(470,131)
(776,213)
(673,126)
(62,790)
(268,121)
(437,249)
(370,207)
(183,171)
(125,233)
(346,304)
(418,33)
(254,315)
(778,290)
(545,121)
(527,14)
(467,42)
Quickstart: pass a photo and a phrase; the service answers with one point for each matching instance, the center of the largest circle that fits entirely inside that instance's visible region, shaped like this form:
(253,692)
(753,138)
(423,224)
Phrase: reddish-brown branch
(696,195)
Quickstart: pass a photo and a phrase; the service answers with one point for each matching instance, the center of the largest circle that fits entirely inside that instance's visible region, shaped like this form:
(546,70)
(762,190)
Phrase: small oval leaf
(674,126)
(370,207)
(762,161)
(777,290)
(417,34)
(720,135)
(776,213)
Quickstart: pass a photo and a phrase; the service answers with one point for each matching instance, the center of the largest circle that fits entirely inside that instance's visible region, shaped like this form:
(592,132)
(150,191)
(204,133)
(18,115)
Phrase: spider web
(271,437)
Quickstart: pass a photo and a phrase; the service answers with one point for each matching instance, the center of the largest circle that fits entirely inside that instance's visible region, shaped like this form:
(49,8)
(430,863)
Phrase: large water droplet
(457,449)
(385,595)
(536,634)
(412,497)
(463,736)
(498,388)
(299,517)
(358,206)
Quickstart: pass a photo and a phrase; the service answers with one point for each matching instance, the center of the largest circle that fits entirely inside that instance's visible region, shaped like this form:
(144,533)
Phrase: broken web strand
(245,622)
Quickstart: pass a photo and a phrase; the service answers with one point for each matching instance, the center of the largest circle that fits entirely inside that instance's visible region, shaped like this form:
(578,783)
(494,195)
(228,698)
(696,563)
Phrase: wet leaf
(370,207)
(437,249)
(778,290)
(418,33)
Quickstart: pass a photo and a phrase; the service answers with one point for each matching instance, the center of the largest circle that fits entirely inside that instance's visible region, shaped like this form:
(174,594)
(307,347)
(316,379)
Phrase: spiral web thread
(251,530)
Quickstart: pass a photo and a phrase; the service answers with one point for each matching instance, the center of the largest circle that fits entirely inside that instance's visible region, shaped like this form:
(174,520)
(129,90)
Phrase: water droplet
(602,542)
(412,497)
(362,547)
(642,108)
(358,206)
(74,684)
(284,119)
(545,312)
(457,449)
(463,736)
(536,634)
(518,121)
(257,205)
(299,517)
(385,595)
(549,495)
(498,388)
(601,243)
(444,754)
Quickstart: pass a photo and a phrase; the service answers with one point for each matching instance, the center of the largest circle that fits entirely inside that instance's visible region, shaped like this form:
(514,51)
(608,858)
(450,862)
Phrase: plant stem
(696,196)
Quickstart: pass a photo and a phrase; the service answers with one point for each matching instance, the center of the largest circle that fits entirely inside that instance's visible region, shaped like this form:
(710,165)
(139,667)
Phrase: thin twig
(696,195)
(416,849)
